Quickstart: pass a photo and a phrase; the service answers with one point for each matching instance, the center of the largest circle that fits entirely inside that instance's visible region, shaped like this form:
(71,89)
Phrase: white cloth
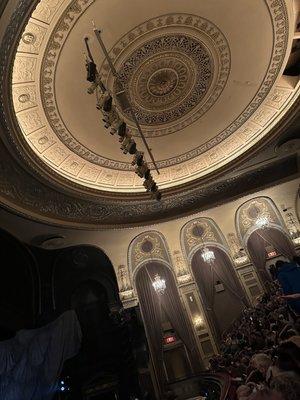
(31,362)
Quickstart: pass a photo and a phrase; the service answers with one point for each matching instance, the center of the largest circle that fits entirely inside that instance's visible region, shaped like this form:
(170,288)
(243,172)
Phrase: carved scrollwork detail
(254,210)
(124,279)
(148,247)
(198,232)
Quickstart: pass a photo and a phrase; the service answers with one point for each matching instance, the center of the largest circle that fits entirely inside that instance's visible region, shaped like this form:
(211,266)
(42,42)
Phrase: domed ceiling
(205,79)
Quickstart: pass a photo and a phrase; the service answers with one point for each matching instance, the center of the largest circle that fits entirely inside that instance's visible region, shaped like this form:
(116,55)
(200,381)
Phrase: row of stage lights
(115,124)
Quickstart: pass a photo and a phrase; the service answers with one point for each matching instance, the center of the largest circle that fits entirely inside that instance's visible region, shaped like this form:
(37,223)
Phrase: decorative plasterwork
(126,290)
(181,268)
(249,212)
(238,254)
(198,232)
(148,247)
(47,135)
(175,77)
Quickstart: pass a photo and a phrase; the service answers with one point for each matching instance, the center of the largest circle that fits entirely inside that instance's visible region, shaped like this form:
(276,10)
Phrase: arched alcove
(19,286)
(198,231)
(148,246)
(75,265)
(261,230)
(221,292)
(159,308)
(83,278)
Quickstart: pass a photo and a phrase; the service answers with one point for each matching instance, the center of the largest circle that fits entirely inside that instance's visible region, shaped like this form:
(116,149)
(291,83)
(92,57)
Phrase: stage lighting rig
(143,171)
(107,106)
(138,159)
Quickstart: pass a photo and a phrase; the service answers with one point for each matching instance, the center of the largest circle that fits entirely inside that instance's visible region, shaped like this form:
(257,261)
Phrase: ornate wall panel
(147,247)
(201,231)
(254,209)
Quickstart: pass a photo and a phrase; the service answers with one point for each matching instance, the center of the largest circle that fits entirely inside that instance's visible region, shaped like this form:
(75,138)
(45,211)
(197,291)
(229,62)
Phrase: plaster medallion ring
(167,78)
(163,82)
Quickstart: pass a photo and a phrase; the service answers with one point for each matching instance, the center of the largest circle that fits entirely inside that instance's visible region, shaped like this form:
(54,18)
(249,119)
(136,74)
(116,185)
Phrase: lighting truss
(107,105)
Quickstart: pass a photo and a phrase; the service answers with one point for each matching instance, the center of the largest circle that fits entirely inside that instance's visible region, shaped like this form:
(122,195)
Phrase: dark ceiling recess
(293,64)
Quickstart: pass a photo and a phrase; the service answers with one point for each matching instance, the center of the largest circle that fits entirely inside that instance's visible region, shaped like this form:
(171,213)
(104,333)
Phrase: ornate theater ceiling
(205,78)
(205,81)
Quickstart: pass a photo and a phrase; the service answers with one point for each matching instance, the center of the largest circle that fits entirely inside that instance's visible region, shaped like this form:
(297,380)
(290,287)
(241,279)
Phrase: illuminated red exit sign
(169,339)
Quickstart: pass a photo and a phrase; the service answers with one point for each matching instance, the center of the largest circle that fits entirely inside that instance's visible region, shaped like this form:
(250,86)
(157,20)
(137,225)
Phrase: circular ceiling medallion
(163,82)
(174,77)
(167,78)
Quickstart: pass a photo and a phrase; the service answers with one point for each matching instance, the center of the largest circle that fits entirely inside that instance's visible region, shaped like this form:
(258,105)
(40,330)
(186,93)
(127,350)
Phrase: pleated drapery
(203,274)
(173,307)
(31,362)
(257,248)
(151,303)
(257,252)
(150,307)
(281,243)
(223,270)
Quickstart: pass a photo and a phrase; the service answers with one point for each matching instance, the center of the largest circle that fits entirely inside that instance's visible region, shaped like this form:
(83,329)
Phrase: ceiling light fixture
(159,284)
(208,255)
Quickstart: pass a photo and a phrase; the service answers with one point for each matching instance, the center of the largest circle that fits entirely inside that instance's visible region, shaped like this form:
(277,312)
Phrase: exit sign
(169,339)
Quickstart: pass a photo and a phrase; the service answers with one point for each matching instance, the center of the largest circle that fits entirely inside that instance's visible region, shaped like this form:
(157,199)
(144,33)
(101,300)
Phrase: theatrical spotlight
(91,71)
(111,119)
(122,131)
(156,195)
(138,159)
(128,145)
(143,171)
(107,105)
(150,184)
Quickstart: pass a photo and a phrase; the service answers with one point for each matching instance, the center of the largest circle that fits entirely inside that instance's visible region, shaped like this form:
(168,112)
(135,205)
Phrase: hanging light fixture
(262,222)
(159,284)
(208,255)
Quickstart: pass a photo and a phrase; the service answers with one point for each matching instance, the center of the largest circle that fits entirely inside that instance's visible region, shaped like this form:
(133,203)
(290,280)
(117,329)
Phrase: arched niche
(19,286)
(73,267)
(83,278)
(155,307)
(221,292)
(262,229)
(198,231)
(148,246)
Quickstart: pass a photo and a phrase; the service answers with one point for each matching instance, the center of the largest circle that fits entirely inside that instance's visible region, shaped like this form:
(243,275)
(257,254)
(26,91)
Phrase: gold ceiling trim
(260,116)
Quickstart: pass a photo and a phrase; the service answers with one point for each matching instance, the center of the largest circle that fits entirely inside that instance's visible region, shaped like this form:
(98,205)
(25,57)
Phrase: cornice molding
(42,195)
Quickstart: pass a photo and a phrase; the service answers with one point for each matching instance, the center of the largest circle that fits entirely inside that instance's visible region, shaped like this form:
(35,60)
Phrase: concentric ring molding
(45,128)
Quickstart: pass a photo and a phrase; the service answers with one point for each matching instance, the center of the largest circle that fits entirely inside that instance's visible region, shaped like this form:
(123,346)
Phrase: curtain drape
(256,247)
(279,241)
(31,362)
(203,274)
(151,312)
(224,270)
(257,252)
(173,307)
